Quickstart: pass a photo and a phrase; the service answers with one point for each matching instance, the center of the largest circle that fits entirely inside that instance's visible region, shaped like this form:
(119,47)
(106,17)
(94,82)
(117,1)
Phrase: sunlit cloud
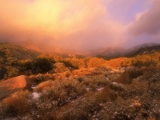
(74,24)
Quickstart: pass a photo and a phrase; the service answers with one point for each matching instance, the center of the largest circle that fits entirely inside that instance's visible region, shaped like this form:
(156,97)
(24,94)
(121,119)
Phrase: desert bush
(82,109)
(42,85)
(42,65)
(106,94)
(149,71)
(140,63)
(11,72)
(3,71)
(25,66)
(75,63)
(128,76)
(35,66)
(119,62)
(95,82)
(95,62)
(146,60)
(61,90)
(43,110)
(68,64)
(60,67)
(17,104)
(36,79)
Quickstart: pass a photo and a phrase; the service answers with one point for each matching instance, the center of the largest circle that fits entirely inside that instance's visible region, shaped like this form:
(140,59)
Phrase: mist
(79,25)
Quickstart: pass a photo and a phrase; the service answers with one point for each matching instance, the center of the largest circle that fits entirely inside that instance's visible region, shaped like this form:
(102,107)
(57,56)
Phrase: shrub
(16,104)
(96,62)
(81,109)
(35,66)
(128,76)
(11,72)
(41,65)
(42,85)
(61,91)
(36,79)
(60,67)
(3,71)
(106,95)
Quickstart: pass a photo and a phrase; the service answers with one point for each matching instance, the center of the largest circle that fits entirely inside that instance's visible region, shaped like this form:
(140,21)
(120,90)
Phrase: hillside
(12,85)
(114,52)
(15,52)
(143,49)
(10,55)
(52,87)
(110,52)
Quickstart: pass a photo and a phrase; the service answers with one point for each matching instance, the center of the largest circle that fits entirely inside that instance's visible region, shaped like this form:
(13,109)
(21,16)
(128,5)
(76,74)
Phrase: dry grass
(61,91)
(36,79)
(81,109)
(42,85)
(17,104)
(128,76)
(89,94)
(9,86)
(118,62)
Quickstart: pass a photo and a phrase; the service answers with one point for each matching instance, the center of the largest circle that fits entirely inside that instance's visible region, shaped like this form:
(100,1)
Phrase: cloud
(78,24)
(146,27)
(71,24)
(147,22)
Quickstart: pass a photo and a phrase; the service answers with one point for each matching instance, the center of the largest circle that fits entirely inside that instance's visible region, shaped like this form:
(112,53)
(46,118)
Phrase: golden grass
(16,104)
(11,85)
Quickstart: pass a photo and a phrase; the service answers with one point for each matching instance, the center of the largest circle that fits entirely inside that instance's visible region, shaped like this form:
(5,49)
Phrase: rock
(117,86)
(36,95)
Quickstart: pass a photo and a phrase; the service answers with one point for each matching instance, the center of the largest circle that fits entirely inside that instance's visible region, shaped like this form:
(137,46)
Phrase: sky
(80,24)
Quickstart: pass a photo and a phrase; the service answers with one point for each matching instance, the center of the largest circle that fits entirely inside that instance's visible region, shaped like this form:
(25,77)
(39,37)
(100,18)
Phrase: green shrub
(35,66)
(41,65)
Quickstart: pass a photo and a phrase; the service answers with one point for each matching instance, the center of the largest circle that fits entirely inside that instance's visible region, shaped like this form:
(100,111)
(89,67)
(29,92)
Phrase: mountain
(113,52)
(10,55)
(29,50)
(143,49)
(15,52)
(109,52)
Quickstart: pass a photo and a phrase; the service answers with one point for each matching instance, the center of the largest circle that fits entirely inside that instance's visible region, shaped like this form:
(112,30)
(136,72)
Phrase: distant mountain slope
(115,52)
(15,52)
(109,52)
(10,55)
(143,49)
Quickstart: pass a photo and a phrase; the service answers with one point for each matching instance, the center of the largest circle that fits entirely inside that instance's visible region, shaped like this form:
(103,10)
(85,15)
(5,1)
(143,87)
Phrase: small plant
(16,104)
(106,95)
(128,76)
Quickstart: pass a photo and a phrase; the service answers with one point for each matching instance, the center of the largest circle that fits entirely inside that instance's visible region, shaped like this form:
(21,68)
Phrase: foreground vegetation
(73,88)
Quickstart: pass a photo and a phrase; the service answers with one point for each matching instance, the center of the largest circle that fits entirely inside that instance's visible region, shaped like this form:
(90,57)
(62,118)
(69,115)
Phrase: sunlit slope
(143,49)
(11,85)
(15,52)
